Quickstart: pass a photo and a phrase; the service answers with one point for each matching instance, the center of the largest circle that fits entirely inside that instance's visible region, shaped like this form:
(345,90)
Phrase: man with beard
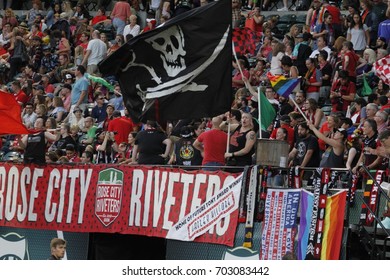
(306,151)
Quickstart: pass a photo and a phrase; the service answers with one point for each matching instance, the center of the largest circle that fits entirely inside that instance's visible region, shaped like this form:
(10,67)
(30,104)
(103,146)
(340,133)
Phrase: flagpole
(228,137)
(259,109)
(299,109)
(236,59)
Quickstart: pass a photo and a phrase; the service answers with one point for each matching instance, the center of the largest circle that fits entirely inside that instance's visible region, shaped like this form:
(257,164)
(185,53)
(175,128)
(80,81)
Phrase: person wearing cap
(333,157)
(49,60)
(151,24)
(96,52)
(119,14)
(78,118)
(184,152)
(301,52)
(381,43)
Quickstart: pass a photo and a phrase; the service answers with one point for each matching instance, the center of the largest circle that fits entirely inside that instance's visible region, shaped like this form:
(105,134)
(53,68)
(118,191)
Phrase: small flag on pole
(283,86)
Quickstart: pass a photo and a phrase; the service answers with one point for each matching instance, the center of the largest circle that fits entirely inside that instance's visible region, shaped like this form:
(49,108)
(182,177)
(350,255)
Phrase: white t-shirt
(98,51)
(133,31)
(276,68)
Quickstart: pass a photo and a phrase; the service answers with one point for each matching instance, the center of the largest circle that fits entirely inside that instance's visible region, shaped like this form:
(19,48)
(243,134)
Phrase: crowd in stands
(343,115)
(47,58)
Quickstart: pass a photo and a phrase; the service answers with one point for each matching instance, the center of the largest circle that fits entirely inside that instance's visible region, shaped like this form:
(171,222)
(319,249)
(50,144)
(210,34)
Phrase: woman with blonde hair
(366,62)
(67,9)
(132,28)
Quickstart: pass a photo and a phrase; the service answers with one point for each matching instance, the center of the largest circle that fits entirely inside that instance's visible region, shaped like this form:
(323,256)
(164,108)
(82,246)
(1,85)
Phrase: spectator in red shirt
(212,145)
(71,153)
(20,96)
(121,126)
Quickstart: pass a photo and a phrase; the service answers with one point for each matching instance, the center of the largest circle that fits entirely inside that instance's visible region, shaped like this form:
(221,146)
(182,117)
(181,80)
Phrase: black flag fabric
(179,70)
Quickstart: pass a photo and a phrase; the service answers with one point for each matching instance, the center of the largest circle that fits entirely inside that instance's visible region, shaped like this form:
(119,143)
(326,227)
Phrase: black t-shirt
(35,149)
(186,154)
(150,146)
(327,70)
(305,144)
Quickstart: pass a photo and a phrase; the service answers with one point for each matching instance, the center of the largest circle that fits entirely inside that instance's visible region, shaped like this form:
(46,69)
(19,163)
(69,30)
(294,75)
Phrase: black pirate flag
(179,70)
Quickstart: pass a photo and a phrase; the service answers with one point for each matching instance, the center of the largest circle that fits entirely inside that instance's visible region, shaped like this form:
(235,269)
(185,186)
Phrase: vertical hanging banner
(334,225)
(321,185)
(279,226)
(306,212)
(142,200)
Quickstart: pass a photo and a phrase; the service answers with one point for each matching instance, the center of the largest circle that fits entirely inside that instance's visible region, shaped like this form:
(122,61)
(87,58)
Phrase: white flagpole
(259,109)
(299,109)
(236,59)
(228,137)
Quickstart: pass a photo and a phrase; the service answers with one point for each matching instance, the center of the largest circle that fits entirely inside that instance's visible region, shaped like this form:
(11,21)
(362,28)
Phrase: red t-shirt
(123,126)
(21,97)
(214,144)
(98,19)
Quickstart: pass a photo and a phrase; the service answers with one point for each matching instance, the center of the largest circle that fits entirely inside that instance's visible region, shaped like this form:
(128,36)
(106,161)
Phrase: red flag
(10,115)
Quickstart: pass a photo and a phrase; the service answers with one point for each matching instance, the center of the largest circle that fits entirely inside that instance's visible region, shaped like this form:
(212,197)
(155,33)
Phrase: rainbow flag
(333,228)
(282,85)
(307,199)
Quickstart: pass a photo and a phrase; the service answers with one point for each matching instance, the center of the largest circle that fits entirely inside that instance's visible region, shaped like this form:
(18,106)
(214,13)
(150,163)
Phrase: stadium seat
(288,19)
(301,18)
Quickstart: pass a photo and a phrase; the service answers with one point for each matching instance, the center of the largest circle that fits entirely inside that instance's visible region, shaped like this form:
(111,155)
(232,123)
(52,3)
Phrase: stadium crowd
(46,59)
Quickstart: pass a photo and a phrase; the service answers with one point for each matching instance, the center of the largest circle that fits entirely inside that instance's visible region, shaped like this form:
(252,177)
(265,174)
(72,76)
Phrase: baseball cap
(151,20)
(77,109)
(185,132)
(39,87)
(111,105)
(68,76)
(50,95)
(343,132)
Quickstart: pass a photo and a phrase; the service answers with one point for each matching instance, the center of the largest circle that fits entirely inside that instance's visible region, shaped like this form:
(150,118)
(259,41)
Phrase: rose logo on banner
(108,198)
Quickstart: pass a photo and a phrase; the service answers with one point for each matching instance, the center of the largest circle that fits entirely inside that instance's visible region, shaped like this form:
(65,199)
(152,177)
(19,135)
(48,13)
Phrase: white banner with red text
(143,200)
